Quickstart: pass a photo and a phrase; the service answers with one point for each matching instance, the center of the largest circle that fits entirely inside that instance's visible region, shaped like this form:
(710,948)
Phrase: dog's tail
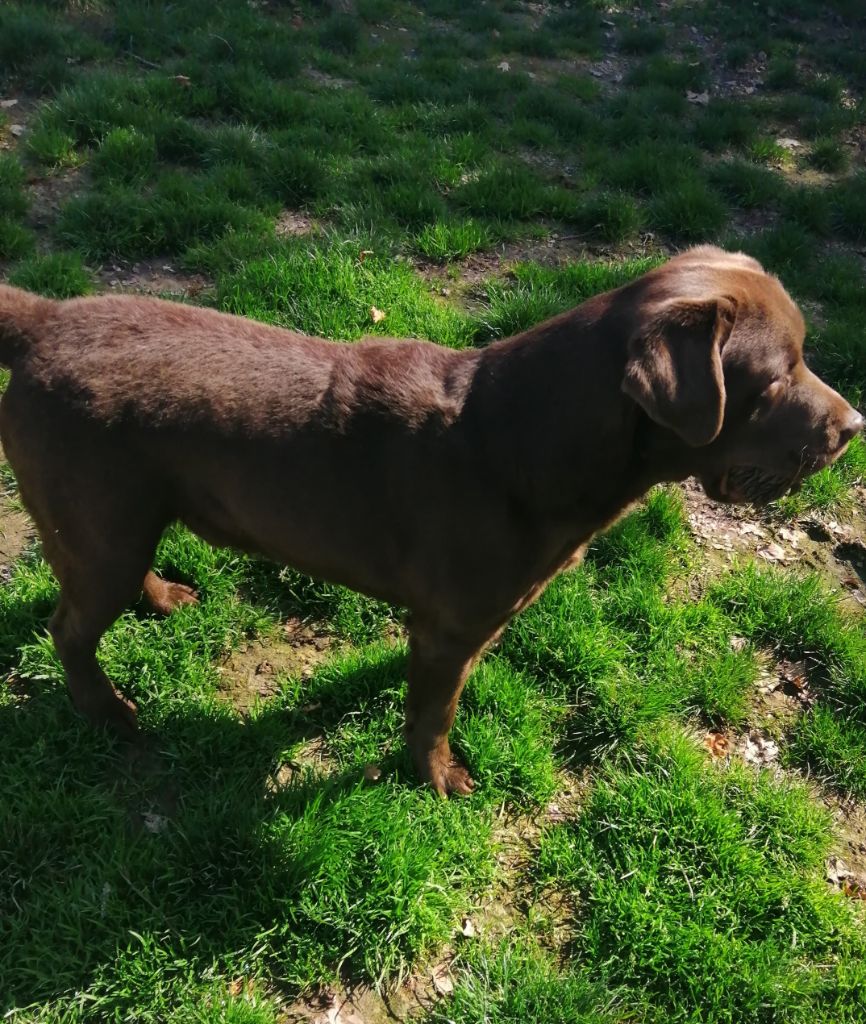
(20,314)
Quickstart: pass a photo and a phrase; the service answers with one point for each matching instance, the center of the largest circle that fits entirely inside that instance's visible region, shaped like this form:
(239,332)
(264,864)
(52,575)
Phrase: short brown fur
(454,484)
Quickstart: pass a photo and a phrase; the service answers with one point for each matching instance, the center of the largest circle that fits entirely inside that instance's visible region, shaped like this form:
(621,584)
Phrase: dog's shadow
(196,841)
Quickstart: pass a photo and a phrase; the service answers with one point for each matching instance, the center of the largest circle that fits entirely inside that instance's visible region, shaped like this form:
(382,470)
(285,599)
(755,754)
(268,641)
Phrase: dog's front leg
(438,667)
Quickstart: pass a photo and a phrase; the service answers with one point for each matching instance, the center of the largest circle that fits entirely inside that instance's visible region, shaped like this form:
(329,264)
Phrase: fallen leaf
(236,986)
(376,315)
(183,80)
(154,823)
(759,750)
(555,813)
(738,643)
(467,928)
(854,888)
(504,65)
(753,529)
(772,553)
(717,743)
(836,870)
(851,582)
(791,536)
(363,254)
(442,982)
(701,98)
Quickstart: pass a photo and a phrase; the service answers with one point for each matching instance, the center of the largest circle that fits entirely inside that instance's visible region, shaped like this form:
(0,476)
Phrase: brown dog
(455,484)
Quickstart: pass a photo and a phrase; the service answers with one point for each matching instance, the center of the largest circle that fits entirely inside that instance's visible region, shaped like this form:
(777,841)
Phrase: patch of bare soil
(152,277)
(252,674)
(16,532)
(815,543)
(846,868)
(291,224)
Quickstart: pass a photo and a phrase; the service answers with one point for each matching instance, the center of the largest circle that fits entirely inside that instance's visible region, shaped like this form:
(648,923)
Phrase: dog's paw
(108,709)
(165,597)
(451,777)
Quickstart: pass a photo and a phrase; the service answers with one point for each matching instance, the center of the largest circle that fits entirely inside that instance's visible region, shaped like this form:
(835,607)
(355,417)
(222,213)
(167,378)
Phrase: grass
(243,860)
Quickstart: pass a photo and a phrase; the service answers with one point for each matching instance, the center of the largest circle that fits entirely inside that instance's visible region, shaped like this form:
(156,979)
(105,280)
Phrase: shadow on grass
(124,872)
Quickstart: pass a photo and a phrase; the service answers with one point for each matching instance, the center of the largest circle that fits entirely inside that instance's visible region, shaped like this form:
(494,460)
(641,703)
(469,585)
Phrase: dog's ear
(674,368)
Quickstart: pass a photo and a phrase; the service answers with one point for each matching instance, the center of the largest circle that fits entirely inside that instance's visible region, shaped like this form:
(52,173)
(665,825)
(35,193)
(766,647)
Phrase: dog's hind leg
(164,596)
(96,584)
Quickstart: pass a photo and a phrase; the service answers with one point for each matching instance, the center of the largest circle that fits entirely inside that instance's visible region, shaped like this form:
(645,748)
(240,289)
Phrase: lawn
(670,746)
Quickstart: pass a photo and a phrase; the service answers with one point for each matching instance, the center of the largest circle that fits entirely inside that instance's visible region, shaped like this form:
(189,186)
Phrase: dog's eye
(772,394)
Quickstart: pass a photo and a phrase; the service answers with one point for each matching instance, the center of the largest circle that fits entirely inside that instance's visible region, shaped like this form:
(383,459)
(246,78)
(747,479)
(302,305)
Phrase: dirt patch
(815,543)
(847,865)
(252,674)
(16,532)
(291,224)
(152,277)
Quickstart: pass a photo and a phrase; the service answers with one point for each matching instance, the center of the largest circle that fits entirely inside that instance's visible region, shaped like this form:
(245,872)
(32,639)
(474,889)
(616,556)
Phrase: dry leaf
(836,870)
(183,80)
(738,643)
(376,315)
(854,888)
(791,536)
(504,65)
(363,254)
(759,750)
(442,982)
(154,823)
(701,98)
(772,552)
(467,928)
(555,813)
(717,743)
(748,528)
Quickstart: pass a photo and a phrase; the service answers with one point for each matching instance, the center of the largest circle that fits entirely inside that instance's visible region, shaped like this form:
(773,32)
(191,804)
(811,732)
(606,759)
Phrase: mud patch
(252,674)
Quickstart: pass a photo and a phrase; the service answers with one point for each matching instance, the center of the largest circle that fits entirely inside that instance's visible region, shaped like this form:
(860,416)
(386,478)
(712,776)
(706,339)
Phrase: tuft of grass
(800,618)
(748,186)
(673,74)
(518,981)
(782,73)
(689,210)
(52,147)
(125,156)
(15,240)
(445,241)
(329,291)
(693,878)
(828,154)
(537,293)
(14,201)
(611,216)
(59,275)
(642,38)
(725,124)
(849,207)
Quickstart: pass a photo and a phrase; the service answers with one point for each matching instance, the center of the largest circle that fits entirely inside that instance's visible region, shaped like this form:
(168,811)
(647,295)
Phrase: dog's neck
(546,383)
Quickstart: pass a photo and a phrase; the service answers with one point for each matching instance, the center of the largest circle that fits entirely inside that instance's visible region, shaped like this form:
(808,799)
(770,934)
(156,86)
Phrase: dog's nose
(851,427)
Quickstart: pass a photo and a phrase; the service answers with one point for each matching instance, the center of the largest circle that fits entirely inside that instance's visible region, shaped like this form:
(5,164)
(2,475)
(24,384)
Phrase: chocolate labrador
(452,483)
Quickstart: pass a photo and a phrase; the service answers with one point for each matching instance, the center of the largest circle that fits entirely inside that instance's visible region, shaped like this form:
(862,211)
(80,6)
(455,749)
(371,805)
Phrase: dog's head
(715,358)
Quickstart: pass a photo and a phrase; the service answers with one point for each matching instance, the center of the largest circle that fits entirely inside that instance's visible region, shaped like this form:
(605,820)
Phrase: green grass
(60,275)
(676,888)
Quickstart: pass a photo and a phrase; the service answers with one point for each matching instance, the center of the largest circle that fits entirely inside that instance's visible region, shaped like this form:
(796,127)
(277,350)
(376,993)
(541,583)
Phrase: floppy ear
(674,368)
